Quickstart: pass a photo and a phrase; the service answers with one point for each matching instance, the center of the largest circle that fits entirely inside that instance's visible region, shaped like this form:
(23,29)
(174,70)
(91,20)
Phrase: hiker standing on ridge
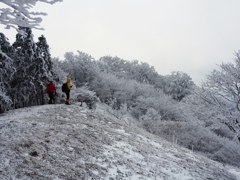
(51,90)
(69,88)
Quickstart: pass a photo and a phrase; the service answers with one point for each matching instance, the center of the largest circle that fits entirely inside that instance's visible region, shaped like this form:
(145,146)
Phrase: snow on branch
(18,13)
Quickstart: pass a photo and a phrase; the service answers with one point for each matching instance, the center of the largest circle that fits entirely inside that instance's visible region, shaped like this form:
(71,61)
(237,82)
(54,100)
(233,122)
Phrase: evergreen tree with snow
(22,83)
(43,67)
(43,64)
(27,85)
(6,73)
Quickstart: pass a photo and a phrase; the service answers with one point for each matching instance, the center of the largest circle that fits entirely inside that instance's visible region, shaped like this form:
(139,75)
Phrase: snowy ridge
(72,142)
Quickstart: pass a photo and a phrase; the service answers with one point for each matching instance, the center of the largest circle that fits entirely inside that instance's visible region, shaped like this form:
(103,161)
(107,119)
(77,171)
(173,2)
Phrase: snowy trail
(72,142)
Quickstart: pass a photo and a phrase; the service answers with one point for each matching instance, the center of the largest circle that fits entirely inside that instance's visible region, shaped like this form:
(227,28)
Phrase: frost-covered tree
(148,97)
(220,120)
(43,65)
(105,86)
(6,72)
(23,82)
(14,13)
(80,67)
(224,83)
(141,72)
(58,71)
(6,61)
(42,69)
(4,43)
(178,85)
(33,68)
(221,89)
(113,65)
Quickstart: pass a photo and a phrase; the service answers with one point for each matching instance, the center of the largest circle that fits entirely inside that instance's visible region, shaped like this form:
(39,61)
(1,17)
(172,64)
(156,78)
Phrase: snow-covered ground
(73,142)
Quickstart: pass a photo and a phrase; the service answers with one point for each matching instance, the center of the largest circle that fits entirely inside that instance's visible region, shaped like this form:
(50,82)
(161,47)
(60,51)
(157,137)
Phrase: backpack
(64,87)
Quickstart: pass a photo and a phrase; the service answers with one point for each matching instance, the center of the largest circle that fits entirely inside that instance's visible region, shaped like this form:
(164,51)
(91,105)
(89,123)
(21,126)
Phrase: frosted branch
(19,14)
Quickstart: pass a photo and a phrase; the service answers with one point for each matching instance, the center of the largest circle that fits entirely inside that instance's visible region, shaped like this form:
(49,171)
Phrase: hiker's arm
(69,86)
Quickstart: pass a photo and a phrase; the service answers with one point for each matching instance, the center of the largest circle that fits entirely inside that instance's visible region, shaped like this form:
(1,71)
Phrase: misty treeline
(204,119)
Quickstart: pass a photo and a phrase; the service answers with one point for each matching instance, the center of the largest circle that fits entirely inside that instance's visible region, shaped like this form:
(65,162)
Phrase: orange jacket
(68,84)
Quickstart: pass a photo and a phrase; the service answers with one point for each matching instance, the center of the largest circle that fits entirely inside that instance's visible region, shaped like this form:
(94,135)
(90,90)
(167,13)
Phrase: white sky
(191,36)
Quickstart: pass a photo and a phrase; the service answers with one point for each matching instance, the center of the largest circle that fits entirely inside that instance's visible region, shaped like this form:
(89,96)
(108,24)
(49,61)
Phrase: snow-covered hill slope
(72,142)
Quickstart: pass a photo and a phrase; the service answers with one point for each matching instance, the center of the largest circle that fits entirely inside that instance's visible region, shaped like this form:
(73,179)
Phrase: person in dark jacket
(51,90)
(69,88)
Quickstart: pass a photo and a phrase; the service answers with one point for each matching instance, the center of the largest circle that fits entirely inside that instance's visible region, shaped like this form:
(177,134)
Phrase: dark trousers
(68,96)
(51,98)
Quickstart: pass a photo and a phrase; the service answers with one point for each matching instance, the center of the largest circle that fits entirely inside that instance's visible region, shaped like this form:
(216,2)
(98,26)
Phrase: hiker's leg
(51,98)
(49,95)
(67,99)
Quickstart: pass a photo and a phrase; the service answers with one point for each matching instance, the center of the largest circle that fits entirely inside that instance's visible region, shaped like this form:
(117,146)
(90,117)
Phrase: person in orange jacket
(51,90)
(69,88)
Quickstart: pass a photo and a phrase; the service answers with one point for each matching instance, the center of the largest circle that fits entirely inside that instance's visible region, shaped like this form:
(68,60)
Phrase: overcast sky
(191,36)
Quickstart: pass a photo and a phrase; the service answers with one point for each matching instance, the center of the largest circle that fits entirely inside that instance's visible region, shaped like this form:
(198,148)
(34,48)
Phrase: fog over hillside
(73,142)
